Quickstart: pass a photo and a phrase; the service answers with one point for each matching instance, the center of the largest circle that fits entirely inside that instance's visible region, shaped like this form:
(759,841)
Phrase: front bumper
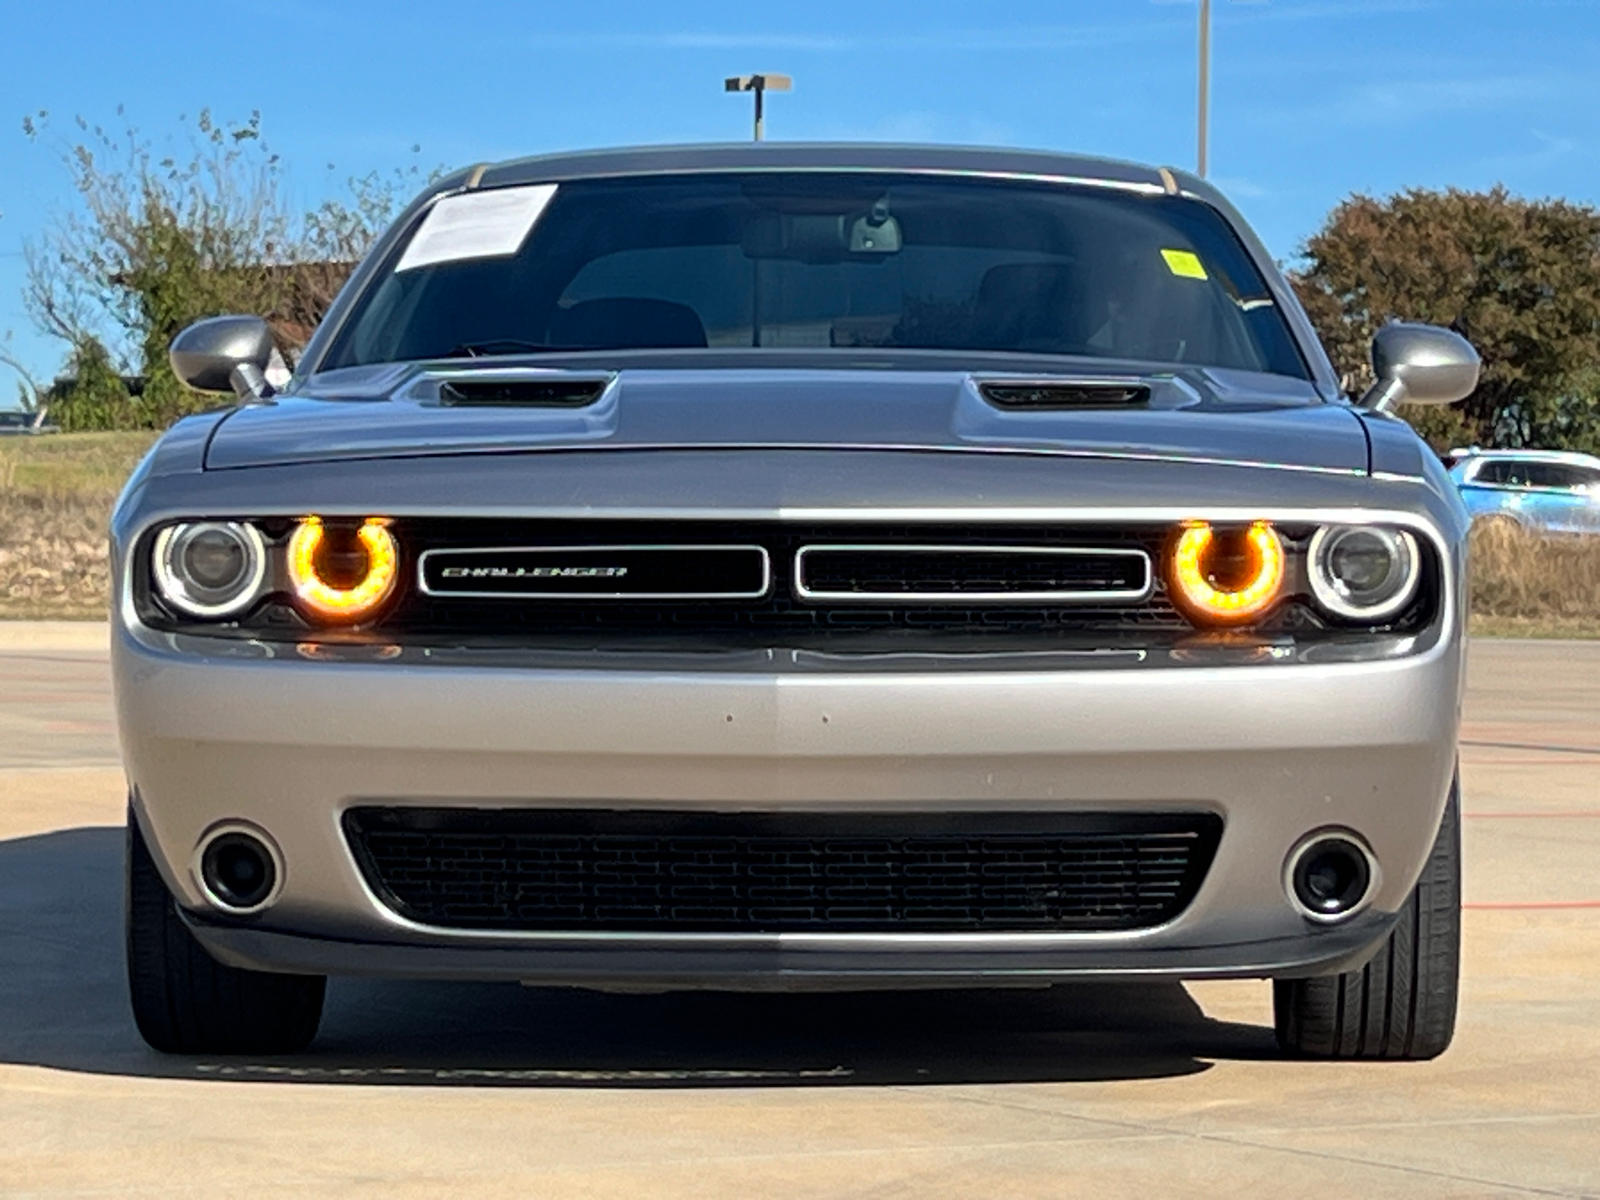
(1277,751)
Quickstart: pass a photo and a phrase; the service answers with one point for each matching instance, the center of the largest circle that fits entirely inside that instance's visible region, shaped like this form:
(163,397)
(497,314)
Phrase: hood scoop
(1056,395)
(522,393)
(1192,416)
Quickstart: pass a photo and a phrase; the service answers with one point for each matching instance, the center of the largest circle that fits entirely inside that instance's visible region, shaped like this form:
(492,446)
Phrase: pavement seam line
(1525,1189)
(1543,749)
(1242,1138)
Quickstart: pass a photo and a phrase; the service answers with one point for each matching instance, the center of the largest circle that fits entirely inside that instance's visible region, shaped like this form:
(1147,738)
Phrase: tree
(29,392)
(92,393)
(1519,278)
(159,238)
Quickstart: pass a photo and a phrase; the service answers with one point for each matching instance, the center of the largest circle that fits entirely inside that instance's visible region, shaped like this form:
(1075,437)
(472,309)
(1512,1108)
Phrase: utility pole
(1205,81)
(760,85)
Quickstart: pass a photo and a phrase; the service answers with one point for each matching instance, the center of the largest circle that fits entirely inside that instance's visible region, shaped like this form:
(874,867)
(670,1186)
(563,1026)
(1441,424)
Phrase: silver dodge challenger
(797,567)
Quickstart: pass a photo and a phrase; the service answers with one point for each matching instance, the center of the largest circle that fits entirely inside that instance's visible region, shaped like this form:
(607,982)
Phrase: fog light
(239,869)
(1225,577)
(1363,572)
(1330,877)
(342,575)
(209,569)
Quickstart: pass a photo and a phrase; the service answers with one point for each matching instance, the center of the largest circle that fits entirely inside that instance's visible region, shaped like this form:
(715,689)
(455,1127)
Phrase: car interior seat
(1028,306)
(624,322)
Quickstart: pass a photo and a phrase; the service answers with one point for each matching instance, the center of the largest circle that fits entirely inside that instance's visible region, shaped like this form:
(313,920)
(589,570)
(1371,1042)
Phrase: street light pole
(760,85)
(1205,81)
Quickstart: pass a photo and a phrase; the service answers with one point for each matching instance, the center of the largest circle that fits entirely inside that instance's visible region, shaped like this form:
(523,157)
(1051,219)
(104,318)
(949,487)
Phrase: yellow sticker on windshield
(1185,264)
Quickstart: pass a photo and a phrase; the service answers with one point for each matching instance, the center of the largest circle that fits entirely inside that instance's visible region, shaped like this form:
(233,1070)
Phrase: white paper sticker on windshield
(490,224)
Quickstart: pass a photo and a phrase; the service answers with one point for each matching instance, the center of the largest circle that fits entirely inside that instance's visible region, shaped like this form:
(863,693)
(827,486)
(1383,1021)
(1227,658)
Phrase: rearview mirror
(1420,364)
(822,238)
(222,354)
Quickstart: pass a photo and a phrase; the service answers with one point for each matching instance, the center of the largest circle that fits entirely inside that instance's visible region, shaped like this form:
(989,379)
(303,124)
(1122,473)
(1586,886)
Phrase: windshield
(837,260)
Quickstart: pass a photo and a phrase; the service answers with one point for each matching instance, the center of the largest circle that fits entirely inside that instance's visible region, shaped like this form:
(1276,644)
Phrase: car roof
(1574,457)
(809,156)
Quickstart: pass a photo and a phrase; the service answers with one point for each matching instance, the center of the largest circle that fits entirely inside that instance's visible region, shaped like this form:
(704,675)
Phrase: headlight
(209,568)
(1363,572)
(342,575)
(1225,577)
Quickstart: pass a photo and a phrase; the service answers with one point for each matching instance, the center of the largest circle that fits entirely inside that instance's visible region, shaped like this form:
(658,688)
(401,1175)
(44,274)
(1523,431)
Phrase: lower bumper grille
(771,873)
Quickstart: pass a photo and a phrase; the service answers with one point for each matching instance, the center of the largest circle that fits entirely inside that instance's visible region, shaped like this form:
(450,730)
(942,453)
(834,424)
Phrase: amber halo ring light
(341,577)
(1220,577)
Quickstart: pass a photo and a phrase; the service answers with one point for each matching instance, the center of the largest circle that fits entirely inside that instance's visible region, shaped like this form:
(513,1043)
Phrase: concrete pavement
(423,1089)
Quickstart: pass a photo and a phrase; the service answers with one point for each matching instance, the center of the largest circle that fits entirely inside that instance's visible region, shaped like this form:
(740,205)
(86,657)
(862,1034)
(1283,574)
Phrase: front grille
(598,572)
(1058,574)
(603,871)
(782,616)
(901,602)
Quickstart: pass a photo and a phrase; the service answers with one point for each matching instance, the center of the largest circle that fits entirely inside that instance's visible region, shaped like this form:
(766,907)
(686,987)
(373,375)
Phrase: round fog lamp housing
(1331,876)
(209,569)
(1364,572)
(239,868)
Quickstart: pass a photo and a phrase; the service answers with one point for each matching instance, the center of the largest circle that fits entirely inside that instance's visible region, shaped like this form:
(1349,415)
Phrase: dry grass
(1524,585)
(56,494)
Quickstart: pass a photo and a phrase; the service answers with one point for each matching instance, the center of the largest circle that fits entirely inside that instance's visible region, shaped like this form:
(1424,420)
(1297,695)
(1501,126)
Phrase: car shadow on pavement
(63,1004)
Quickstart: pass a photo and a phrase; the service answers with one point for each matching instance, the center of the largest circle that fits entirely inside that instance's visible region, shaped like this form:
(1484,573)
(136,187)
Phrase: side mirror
(1420,364)
(224,354)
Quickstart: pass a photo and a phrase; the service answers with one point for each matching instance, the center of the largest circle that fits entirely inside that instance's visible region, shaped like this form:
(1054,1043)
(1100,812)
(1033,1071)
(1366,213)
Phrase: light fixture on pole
(1205,82)
(760,85)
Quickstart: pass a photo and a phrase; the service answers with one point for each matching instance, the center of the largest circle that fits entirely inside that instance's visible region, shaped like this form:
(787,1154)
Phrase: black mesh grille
(940,571)
(781,617)
(749,873)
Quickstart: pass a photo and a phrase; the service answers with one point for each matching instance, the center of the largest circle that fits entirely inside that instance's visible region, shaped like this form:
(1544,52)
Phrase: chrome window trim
(1070,595)
(634,171)
(989,448)
(424,589)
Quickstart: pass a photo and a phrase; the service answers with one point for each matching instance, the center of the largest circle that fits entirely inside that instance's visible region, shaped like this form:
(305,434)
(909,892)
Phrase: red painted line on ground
(1520,906)
(1476,760)
(1581,814)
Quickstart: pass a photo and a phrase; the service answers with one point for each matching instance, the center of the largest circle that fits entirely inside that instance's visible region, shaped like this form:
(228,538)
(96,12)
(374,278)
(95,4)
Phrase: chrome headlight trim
(1325,586)
(177,591)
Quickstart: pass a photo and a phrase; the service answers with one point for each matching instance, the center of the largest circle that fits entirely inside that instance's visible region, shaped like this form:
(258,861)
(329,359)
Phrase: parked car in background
(21,421)
(798,567)
(1548,491)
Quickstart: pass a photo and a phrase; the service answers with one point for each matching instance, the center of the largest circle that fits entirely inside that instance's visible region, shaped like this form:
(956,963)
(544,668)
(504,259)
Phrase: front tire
(1402,1004)
(184,1001)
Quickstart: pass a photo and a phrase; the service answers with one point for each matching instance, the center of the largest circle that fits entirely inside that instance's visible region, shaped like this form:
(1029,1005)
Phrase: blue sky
(1313,100)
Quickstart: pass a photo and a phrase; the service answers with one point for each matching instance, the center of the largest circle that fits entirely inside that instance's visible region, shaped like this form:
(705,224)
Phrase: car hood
(397,412)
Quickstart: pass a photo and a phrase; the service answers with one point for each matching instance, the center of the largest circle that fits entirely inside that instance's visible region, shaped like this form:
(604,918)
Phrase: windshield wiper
(505,346)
